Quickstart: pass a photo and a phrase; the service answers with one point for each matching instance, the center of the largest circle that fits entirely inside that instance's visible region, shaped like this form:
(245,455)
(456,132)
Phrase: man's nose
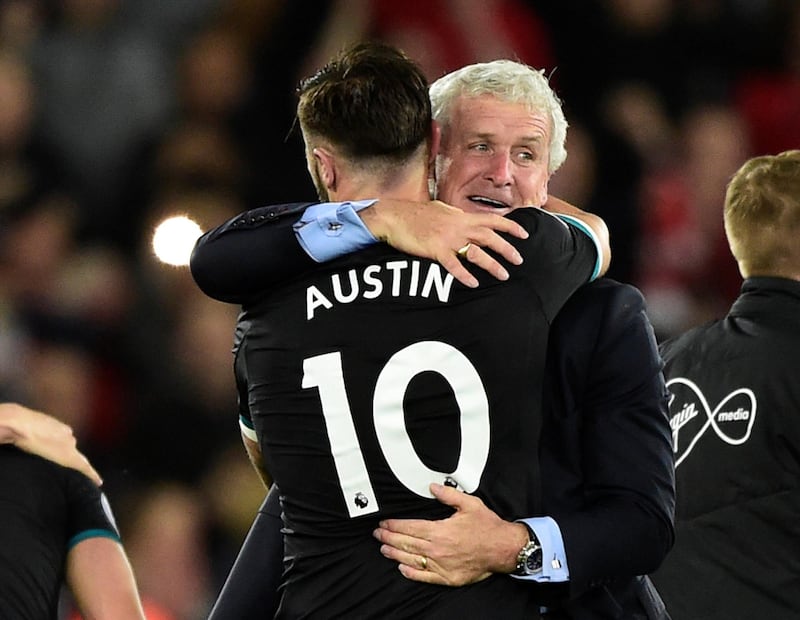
(499,169)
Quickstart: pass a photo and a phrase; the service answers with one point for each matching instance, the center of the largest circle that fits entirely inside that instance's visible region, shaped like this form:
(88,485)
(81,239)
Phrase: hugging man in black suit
(607,488)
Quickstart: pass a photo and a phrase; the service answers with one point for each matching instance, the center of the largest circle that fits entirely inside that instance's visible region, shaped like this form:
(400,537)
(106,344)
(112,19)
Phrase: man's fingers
(405,534)
(86,468)
(75,459)
(413,560)
(476,255)
(414,566)
(480,258)
(424,576)
(503,224)
(495,242)
(488,238)
(456,268)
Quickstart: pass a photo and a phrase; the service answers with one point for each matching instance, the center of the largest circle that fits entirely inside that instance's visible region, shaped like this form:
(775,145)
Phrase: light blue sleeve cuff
(332,229)
(584,228)
(554,557)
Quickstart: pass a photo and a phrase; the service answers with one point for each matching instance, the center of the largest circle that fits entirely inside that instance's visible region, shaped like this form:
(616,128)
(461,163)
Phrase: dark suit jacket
(606,453)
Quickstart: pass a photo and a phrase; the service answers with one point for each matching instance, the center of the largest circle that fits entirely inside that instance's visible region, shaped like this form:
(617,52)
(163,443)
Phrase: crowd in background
(115,114)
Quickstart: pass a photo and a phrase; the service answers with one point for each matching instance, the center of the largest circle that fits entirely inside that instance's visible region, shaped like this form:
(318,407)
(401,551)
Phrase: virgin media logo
(691,416)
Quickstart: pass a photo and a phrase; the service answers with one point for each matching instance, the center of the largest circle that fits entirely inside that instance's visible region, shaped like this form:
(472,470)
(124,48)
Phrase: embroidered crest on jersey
(691,416)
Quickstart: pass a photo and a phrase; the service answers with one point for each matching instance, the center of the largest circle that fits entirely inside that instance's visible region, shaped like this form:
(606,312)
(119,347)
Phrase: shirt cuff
(332,229)
(554,557)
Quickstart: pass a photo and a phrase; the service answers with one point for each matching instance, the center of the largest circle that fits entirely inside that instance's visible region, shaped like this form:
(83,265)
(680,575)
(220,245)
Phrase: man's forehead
(526,135)
(486,115)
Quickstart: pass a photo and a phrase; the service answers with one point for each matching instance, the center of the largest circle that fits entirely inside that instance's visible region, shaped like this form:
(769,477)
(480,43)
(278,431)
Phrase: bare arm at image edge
(102,581)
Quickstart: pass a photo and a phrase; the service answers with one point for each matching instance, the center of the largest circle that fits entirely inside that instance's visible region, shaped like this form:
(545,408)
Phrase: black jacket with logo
(735,417)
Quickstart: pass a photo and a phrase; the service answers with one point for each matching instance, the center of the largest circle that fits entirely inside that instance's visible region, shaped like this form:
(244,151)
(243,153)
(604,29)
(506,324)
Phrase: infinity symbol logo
(736,413)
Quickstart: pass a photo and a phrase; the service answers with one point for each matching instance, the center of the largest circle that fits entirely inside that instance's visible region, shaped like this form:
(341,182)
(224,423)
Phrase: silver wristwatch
(529,558)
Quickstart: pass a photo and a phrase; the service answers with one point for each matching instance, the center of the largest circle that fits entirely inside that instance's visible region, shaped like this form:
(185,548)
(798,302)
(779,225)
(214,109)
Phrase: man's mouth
(489,202)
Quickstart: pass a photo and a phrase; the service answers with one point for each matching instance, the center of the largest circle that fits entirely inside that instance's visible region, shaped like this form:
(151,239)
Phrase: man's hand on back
(437,231)
(467,547)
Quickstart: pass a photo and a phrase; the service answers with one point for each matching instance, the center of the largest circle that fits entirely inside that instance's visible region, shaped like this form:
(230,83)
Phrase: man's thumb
(448,495)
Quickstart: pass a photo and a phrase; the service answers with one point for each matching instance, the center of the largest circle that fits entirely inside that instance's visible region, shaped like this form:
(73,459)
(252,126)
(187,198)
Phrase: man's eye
(480,147)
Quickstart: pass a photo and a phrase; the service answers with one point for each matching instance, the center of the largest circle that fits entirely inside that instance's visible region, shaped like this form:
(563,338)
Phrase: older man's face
(494,156)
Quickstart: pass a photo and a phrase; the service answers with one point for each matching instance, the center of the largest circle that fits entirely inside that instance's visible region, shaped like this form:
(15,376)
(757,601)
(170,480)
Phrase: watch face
(533,563)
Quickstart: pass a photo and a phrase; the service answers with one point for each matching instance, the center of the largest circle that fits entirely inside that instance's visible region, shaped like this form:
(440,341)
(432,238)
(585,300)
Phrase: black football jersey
(378,374)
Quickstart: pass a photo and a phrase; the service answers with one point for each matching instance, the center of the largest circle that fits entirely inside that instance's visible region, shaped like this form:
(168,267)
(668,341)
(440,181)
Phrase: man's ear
(435,144)
(326,164)
(436,139)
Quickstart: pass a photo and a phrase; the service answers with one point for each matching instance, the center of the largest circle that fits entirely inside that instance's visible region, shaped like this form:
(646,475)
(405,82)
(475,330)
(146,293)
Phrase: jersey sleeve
(575,222)
(250,253)
(559,255)
(90,514)
(246,425)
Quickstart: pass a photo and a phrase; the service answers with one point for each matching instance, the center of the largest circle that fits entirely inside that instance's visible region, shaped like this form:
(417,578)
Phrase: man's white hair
(509,81)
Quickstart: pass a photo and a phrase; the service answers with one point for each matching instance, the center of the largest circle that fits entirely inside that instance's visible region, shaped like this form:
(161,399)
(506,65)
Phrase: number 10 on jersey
(324,372)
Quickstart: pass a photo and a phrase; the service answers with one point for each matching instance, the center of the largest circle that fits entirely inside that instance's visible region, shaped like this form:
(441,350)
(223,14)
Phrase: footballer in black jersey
(378,374)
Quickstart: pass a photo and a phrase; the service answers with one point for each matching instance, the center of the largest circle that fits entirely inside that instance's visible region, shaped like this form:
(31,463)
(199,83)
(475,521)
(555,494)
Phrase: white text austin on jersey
(395,278)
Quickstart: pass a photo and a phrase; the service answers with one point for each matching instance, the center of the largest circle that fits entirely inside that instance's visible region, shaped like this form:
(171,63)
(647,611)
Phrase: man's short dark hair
(371,101)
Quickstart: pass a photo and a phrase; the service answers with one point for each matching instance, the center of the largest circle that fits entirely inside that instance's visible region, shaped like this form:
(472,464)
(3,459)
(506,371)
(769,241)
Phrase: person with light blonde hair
(762,216)
(735,417)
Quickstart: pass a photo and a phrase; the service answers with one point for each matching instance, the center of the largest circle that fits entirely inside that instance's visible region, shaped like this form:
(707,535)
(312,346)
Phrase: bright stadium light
(174,239)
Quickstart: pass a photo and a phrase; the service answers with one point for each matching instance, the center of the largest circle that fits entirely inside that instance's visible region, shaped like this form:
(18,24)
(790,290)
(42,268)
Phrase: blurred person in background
(104,71)
(735,417)
(201,147)
(102,86)
(64,308)
(439,35)
(186,390)
(166,527)
(590,178)
(179,433)
(685,269)
(27,165)
(768,96)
